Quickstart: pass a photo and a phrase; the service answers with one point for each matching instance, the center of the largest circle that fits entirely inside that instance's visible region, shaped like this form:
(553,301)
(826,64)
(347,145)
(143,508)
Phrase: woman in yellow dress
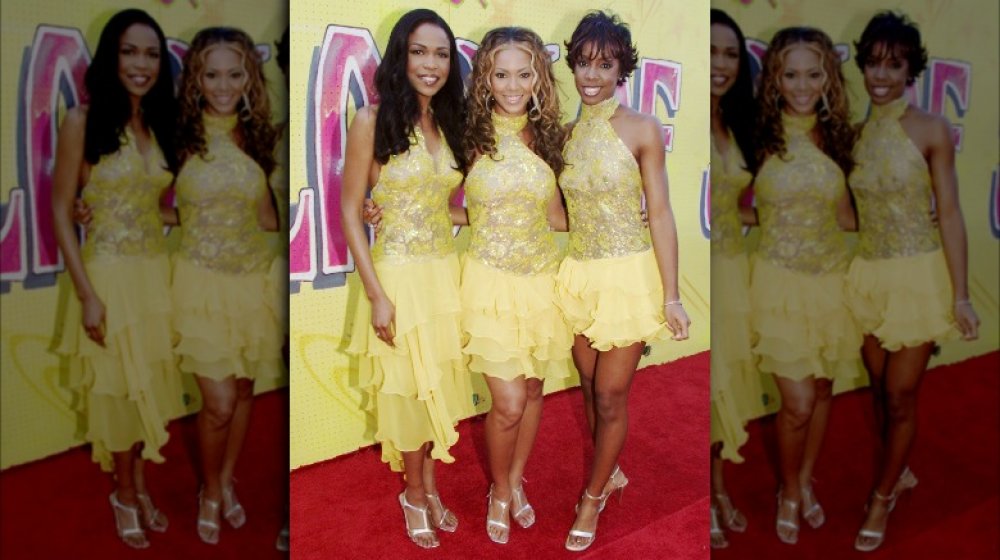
(907,284)
(736,387)
(230,334)
(120,149)
(516,335)
(407,332)
(618,284)
(805,335)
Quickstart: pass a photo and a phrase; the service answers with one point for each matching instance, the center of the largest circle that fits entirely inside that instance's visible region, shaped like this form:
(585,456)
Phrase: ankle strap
(882,498)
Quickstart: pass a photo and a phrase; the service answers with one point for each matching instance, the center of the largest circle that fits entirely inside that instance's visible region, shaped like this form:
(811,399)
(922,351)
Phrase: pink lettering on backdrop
(660,79)
(705,209)
(952,79)
(994,202)
(14,247)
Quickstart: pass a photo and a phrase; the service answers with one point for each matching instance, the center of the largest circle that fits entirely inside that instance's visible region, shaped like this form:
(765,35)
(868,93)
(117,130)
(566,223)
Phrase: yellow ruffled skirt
(512,324)
(736,384)
(129,389)
(614,302)
(225,323)
(904,301)
(420,388)
(802,324)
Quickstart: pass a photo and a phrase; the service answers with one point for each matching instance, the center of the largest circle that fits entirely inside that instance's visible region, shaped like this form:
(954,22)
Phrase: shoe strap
(579,533)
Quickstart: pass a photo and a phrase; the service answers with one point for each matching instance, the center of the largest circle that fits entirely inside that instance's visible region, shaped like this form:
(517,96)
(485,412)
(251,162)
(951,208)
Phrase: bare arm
(267,215)
(359,157)
(69,161)
(847,219)
(748,214)
(558,221)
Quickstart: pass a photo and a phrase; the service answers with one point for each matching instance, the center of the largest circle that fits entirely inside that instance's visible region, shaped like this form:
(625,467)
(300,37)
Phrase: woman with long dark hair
(119,148)
(407,332)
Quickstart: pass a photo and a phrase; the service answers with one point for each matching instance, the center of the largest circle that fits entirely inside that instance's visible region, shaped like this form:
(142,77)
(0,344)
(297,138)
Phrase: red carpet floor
(347,508)
(952,514)
(58,507)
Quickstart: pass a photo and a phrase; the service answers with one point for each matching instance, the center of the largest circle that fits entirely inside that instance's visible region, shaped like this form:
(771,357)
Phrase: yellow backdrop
(335,49)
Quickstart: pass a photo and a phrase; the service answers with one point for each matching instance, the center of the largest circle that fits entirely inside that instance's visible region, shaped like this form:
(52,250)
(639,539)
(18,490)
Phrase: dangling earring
(535,112)
(488,99)
(246,112)
(824,110)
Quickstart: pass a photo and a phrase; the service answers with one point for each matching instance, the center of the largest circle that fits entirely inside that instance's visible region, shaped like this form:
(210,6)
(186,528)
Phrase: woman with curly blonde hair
(516,335)
(229,331)
(805,334)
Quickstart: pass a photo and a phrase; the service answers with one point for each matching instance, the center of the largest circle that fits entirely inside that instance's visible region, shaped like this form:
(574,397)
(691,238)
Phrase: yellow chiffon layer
(129,389)
(226,325)
(615,302)
(420,388)
(802,323)
(903,301)
(512,324)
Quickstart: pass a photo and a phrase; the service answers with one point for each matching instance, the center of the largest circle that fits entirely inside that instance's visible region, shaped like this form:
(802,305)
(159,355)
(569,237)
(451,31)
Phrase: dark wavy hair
(609,36)
(739,109)
(254,132)
(891,35)
(398,108)
(110,109)
(836,135)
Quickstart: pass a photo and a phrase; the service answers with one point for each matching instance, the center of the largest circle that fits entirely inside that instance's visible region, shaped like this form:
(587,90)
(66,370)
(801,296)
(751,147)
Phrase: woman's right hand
(371,213)
(93,319)
(384,320)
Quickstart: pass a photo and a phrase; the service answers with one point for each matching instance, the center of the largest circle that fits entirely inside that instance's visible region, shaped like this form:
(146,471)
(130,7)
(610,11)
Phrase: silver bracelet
(962,302)
(674,302)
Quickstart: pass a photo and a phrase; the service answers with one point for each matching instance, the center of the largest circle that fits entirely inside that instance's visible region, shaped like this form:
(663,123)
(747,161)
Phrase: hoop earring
(824,112)
(246,112)
(488,99)
(535,112)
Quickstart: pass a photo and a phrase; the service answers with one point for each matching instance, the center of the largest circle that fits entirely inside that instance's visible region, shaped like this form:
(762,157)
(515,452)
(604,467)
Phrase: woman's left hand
(677,320)
(968,321)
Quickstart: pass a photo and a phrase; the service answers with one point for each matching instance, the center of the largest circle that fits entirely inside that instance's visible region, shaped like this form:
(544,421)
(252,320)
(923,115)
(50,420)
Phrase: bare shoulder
(935,128)
(75,119)
(365,117)
(647,127)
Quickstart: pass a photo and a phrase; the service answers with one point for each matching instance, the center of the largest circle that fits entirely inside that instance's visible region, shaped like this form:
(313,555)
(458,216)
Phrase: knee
(218,410)
(901,404)
(798,411)
(823,390)
(508,412)
(611,403)
(534,391)
(244,389)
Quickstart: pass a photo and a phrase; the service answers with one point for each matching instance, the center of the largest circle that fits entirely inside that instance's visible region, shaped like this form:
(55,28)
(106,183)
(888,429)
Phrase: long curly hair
(110,109)
(254,132)
(836,135)
(398,107)
(544,115)
(739,108)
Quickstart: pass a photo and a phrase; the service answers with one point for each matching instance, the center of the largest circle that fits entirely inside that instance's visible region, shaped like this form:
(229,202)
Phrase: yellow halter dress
(799,316)
(509,313)
(898,284)
(421,388)
(222,314)
(608,285)
(130,388)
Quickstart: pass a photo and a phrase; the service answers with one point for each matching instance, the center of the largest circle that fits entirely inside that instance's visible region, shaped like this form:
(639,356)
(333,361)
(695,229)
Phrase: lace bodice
(123,193)
(413,190)
(507,196)
(603,189)
(729,178)
(217,197)
(892,188)
(797,199)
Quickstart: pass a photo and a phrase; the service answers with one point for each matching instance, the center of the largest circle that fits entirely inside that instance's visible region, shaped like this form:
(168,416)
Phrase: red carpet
(58,507)
(954,512)
(347,508)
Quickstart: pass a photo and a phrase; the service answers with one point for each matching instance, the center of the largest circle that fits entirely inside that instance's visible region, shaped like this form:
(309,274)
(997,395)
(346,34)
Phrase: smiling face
(223,79)
(428,59)
(886,75)
(595,75)
(138,59)
(725,59)
(512,80)
(801,80)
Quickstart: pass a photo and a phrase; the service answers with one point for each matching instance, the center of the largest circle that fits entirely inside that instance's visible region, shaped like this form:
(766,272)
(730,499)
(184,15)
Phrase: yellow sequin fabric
(797,197)
(729,178)
(892,189)
(603,189)
(413,190)
(507,195)
(217,197)
(123,193)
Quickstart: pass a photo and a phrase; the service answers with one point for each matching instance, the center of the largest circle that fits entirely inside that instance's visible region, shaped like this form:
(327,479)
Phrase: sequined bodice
(217,197)
(892,189)
(797,199)
(603,189)
(729,178)
(413,189)
(123,193)
(507,194)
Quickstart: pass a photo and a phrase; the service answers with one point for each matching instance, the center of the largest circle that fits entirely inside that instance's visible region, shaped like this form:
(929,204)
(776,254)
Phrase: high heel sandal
(504,536)
(234,513)
(589,535)
(444,523)
(716,536)
(152,518)
(792,524)
(208,526)
(868,539)
(906,481)
(525,514)
(813,514)
(426,529)
(732,518)
(616,483)
(127,523)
